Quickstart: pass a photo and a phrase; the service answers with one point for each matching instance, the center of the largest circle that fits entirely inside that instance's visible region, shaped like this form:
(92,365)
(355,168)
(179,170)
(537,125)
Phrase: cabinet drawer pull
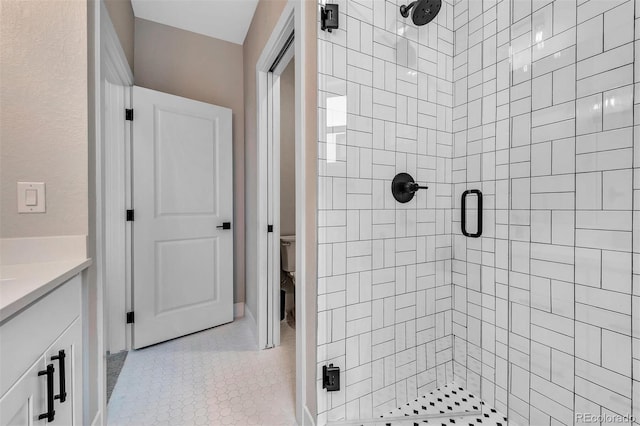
(62,396)
(50,414)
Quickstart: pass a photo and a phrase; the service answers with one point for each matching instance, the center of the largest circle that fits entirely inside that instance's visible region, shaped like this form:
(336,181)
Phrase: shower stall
(496,279)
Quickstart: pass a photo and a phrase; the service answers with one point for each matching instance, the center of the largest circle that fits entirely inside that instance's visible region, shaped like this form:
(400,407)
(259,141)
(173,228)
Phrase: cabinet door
(26,399)
(66,356)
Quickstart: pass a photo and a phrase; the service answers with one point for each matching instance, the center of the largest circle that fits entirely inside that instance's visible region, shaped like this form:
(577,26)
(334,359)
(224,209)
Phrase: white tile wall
(384,268)
(533,102)
(564,270)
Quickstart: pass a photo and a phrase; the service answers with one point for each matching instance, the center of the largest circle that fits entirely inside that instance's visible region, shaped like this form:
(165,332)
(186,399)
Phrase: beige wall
(264,20)
(288,150)
(43,114)
(198,67)
(121,14)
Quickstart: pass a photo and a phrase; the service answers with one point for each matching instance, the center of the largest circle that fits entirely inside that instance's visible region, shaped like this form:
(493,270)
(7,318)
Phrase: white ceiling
(224,19)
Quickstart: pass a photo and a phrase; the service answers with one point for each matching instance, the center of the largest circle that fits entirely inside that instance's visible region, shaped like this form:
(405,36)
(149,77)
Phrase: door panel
(176,259)
(182,192)
(189,164)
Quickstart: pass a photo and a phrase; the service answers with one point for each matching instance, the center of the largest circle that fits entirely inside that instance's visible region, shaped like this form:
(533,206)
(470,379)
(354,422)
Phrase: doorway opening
(275,67)
(280,189)
(281,205)
(287,195)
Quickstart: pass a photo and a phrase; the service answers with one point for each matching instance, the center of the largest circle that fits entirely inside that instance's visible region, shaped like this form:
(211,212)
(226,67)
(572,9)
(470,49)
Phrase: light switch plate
(26,197)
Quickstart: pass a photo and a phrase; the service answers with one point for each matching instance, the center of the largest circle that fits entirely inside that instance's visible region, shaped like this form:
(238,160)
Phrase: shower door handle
(463,213)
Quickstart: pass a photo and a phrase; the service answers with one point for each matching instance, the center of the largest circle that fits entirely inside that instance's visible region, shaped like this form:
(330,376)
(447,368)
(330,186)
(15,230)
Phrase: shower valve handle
(413,187)
(404,187)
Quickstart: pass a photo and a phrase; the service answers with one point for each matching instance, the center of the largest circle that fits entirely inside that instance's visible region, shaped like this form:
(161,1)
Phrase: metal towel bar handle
(463,215)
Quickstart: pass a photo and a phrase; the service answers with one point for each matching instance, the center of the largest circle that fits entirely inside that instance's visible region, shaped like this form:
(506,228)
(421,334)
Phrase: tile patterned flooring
(452,401)
(218,377)
(115,362)
(215,377)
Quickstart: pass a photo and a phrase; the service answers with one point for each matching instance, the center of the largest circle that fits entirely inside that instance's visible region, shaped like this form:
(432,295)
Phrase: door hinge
(130,318)
(329,17)
(130,216)
(269,228)
(128,114)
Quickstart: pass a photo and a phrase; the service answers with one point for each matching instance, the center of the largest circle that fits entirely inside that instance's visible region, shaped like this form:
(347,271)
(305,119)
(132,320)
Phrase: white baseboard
(238,310)
(308,418)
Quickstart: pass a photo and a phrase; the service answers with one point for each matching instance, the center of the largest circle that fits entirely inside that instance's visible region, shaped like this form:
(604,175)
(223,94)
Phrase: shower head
(423,10)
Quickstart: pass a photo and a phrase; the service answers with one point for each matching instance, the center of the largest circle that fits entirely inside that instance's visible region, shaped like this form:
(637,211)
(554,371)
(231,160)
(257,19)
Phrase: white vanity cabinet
(26,399)
(45,335)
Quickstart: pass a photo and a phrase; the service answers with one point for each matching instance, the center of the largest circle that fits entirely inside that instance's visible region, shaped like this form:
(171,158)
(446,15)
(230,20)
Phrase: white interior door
(182,195)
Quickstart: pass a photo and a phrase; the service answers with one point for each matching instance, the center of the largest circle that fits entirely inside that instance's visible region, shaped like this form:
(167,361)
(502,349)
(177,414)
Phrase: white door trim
(107,61)
(301,210)
(273,195)
(291,19)
(116,195)
(268,183)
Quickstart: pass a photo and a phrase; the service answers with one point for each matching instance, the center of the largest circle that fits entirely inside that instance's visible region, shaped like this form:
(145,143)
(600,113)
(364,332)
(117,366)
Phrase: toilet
(288,253)
(288,275)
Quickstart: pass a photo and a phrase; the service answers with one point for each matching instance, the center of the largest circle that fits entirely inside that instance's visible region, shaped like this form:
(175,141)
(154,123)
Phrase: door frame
(273,192)
(268,157)
(117,251)
(107,60)
(268,173)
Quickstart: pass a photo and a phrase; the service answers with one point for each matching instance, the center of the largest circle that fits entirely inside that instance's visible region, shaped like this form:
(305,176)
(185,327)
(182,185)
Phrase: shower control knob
(413,187)
(404,187)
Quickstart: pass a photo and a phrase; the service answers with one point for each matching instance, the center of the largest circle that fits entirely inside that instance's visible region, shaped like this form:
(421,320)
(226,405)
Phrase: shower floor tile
(448,399)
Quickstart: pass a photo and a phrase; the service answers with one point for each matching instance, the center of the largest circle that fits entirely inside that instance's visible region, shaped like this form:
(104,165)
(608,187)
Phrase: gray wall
(287,151)
(198,67)
(43,108)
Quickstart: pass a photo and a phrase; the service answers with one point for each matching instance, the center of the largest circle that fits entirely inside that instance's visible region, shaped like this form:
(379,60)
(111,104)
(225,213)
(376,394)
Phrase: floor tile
(215,377)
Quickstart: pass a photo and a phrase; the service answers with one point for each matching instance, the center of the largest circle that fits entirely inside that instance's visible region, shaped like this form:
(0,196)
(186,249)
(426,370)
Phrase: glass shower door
(481,173)
(571,201)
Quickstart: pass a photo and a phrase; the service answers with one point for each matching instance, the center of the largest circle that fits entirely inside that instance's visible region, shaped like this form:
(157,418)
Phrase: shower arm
(405,8)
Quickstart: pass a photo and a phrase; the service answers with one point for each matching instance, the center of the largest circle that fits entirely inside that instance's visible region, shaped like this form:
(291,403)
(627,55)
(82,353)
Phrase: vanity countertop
(23,284)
